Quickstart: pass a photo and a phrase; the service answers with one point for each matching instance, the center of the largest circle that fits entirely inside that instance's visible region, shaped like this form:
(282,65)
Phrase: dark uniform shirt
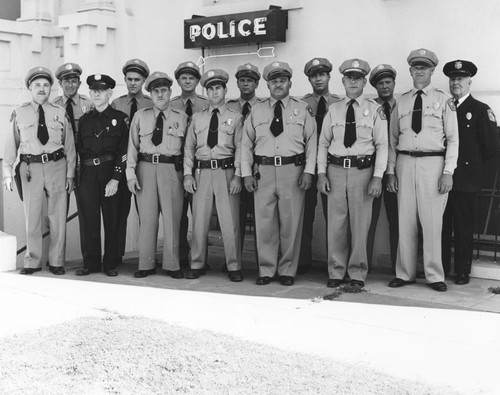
(104,133)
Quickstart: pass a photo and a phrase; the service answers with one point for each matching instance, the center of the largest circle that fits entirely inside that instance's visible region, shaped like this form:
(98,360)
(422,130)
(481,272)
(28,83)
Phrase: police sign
(235,29)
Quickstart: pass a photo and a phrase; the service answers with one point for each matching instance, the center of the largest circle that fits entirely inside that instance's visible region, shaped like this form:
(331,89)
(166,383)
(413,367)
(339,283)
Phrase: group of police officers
(423,153)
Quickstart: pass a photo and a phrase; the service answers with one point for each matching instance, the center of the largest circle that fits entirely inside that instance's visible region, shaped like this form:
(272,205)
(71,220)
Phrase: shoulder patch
(451,104)
(381,112)
(491,115)
(310,110)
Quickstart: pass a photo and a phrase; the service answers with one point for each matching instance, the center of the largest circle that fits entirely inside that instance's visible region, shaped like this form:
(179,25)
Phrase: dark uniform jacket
(104,133)
(478,136)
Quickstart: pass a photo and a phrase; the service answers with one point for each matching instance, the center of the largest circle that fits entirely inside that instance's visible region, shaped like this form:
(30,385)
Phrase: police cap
(355,66)
(214,76)
(317,65)
(38,72)
(136,65)
(460,68)
(276,70)
(189,68)
(68,70)
(382,71)
(156,80)
(422,57)
(248,70)
(100,82)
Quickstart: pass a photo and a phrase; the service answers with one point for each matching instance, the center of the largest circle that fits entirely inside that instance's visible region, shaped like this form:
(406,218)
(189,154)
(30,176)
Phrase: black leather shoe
(144,273)
(399,282)
(177,274)
(438,286)
(235,276)
(303,269)
(28,270)
(287,280)
(111,273)
(57,270)
(83,272)
(263,280)
(334,283)
(462,279)
(195,273)
(357,283)
(223,269)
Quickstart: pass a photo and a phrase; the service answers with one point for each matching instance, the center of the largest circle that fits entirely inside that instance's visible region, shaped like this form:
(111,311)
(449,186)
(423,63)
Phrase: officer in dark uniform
(135,72)
(477,131)
(318,72)
(102,148)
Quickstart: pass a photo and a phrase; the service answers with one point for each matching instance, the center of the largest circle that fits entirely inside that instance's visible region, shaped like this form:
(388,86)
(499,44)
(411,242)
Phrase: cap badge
(97,77)
(295,112)
(458,65)
(69,66)
(113,122)
(435,105)
(190,64)
(248,66)
(422,52)
(210,74)
(40,69)
(380,67)
(136,61)
(176,125)
(355,64)
(315,62)
(468,116)
(366,112)
(276,64)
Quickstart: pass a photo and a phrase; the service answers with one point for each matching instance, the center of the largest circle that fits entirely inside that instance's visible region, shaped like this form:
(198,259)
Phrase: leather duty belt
(43,158)
(214,164)
(361,162)
(420,154)
(98,160)
(159,158)
(278,161)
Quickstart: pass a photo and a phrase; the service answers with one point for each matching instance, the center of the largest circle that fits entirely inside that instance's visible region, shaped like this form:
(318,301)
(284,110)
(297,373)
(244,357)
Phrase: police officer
(423,154)
(278,161)
(317,71)
(135,72)
(352,157)
(213,148)
(247,80)
(154,175)
(383,79)
(477,130)
(41,135)
(102,147)
(188,77)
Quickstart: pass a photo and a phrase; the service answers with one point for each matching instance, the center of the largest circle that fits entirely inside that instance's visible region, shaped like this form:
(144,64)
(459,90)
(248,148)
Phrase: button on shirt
(299,133)
(141,133)
(371,133)
(23,137)
(228,141)
(439,127)
(123,103)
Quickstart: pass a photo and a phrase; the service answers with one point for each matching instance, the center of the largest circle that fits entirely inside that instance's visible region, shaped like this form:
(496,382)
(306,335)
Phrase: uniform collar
(137,97)
(285,101)
(192,98)
(165,112)
(107,112)
(44,105)
(252,101)
(358,100)
(222,109)
(392,102)
(425,90)
(462,99)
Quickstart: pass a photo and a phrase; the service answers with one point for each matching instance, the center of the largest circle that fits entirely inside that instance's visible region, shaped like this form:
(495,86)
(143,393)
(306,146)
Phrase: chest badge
(113,122)
(56,117)
(366,112)
(468,116)
(435,105)
(229,122)
(295,112)
(176,125)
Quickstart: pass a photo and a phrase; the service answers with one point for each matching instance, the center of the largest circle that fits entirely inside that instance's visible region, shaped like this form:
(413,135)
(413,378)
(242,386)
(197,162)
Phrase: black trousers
(91,203)
(458,219)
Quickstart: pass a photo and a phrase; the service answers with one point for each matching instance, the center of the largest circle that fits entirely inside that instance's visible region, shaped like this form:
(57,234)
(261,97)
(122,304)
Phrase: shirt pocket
(226,137)
(433,118)
(175,138)
(261,127)
(111,139)
(404,119)
(27,130)
(55,129)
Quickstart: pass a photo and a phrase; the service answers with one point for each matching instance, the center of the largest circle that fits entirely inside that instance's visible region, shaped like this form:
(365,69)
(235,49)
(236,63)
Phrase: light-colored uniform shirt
(237,104)
(198,103)
(313,100)
(23,137)
(299,133)
(439,127)
(123,103)
(141,133)
(228,139)
(371,133)
(81,104)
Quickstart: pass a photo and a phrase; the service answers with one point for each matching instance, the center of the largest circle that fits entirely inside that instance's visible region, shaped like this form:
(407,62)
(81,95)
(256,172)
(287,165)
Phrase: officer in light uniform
(135,72)
(383,79)
(213,148)
(188,76)
(41,138)
(317,71)
(478,135)
(278,163)
(154,174)
(352,158)
(423,155)
(102,148)
(247,80)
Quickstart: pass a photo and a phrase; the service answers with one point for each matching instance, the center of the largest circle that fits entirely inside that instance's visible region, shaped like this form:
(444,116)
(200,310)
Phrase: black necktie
(320,113)
(387,112)
(350,126)
(213,128)
(189,108)
(416,118)
(71,115)
(42,133)
(277,123)
(133,109)
(158,132)
(246,109)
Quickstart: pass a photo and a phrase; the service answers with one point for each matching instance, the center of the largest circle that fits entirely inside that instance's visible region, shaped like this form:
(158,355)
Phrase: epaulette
(84,97)
(232,100)
(57,98)
(451,104)
(25,104)
(262,99)
(202,98)
(176,110)
(175,98)
(232,110)
(406,93)
(442,91)
(307,96)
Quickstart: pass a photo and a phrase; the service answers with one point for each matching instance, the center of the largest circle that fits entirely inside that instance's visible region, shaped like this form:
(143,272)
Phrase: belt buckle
(213,164)
(347,163)
(96,161)
(277,161)
(155,159)
(45,158)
